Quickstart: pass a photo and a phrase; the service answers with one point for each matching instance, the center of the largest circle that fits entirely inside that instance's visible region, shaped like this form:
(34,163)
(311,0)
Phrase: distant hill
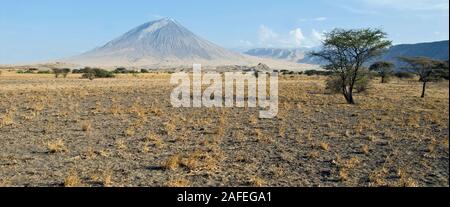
(297,55)
(434,50)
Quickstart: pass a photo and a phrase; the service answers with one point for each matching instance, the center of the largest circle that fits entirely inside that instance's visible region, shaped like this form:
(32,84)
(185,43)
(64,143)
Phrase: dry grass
(257,182)
(86,126)
(365,149)
(391,137)
(177,182)
(172,163)
(325,146)
(121,145)
(57,146)
(72,180)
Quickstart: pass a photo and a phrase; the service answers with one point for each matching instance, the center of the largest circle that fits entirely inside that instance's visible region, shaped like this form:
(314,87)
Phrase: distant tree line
(427,69)
(123,70)
(92,73)
(347,52)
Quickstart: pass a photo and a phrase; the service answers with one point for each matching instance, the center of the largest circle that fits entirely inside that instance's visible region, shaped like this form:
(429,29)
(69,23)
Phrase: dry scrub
(124,132)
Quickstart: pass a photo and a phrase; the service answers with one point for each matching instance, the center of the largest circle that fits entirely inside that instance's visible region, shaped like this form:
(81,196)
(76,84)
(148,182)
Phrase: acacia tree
(346,52)
(384,69)
(424,67)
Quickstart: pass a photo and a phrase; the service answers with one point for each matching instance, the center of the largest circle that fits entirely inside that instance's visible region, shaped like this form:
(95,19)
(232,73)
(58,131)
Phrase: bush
(288,72)
(362,84)
(90,76)
(405,75)
(318,72)
(126,71)
(80,71)
(121,70)
(44,72)
(63,72)
(91,73)
(144,71)
(25,72)
(100,73)
(441,74)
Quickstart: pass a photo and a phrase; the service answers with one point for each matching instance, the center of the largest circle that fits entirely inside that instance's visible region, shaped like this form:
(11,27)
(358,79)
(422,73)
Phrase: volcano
(163,42)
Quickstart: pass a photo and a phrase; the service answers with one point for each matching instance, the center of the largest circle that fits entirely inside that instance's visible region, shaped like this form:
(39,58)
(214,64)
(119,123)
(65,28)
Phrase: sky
(32,31)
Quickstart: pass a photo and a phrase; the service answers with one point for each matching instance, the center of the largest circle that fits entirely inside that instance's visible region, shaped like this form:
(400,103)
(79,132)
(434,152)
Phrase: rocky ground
(124,132)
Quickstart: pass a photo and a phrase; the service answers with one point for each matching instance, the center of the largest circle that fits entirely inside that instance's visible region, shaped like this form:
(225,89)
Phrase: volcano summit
(163,42)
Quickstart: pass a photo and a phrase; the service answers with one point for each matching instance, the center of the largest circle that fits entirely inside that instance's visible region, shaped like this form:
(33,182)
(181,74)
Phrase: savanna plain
(124,132)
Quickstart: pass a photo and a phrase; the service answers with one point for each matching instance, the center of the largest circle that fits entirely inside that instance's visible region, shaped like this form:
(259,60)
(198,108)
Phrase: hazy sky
(49,29)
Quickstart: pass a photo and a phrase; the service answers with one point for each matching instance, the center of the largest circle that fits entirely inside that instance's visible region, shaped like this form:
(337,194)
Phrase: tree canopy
(346,52)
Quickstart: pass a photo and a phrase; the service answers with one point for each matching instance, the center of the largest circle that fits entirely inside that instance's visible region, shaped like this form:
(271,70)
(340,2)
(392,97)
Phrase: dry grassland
(124,132)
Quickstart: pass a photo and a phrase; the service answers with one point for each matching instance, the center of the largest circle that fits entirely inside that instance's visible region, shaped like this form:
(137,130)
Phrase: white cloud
(318,19)
(317,37)
(266,34)
(295,38)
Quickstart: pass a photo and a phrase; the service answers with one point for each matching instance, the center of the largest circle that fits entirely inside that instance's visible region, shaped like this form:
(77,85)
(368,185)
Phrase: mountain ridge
(437,50)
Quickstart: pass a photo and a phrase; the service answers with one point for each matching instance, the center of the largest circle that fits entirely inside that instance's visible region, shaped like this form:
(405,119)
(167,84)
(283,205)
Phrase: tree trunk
(349,96)
(383,79)
(423,89)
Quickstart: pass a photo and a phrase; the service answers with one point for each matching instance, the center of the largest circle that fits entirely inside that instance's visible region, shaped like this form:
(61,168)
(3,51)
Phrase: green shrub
(25,72)
(121,70)
(362,83)
(442,74)
(405,75)
(318,72)
(90,76)
(61,71)
(78,71)
(144,71)
(92,73)
(286,72)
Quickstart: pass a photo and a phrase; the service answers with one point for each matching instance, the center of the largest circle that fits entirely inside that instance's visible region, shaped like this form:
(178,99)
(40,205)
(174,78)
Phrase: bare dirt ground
(124,132)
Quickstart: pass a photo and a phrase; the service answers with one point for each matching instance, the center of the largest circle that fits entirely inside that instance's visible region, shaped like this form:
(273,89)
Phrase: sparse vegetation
(72,180)
(61,71)
(404,75)
(126,125)
(362,82)
(384,69)
(172,163)
(57,146)
(427,69)
(318,72)
(93,73)
(346,52)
